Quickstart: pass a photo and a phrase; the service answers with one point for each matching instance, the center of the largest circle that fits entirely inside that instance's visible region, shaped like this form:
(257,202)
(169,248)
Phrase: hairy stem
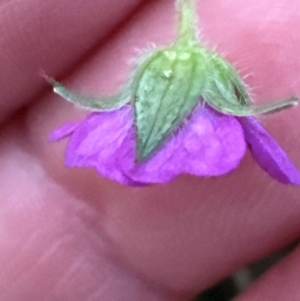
(187,30)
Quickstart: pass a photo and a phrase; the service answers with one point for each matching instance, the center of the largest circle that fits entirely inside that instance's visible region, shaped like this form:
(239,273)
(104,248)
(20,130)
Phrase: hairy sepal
(167,86)
(226,92)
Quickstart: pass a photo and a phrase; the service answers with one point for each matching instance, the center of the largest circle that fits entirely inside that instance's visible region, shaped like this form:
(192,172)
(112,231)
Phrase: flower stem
(187,31)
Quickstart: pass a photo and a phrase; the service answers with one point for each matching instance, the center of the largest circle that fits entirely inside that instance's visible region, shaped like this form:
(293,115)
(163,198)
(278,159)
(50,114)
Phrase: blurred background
(241,280)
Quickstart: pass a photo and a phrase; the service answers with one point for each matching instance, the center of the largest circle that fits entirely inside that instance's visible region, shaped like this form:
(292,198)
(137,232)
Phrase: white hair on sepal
(143,54)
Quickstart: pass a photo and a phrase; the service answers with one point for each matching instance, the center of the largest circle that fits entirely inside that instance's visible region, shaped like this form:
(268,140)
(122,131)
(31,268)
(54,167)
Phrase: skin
(68,234)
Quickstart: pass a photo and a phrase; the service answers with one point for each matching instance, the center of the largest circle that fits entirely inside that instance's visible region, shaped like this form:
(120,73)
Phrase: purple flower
(142,134)
(207,144)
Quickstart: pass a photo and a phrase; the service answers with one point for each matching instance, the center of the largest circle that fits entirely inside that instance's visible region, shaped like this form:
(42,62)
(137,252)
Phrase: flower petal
(268,154)
(64,131)
(209,144)
(96,142)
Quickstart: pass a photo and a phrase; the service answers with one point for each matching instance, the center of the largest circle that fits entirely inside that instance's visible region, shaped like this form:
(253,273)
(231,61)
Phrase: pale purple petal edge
(268,154)
(64,131)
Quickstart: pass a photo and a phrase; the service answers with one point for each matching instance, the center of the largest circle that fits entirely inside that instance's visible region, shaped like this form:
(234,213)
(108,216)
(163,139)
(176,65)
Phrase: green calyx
(170,82)
(166,90)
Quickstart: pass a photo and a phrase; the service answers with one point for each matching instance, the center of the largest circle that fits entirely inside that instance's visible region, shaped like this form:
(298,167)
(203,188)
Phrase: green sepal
(100,104)
(166,88)
(226,92)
